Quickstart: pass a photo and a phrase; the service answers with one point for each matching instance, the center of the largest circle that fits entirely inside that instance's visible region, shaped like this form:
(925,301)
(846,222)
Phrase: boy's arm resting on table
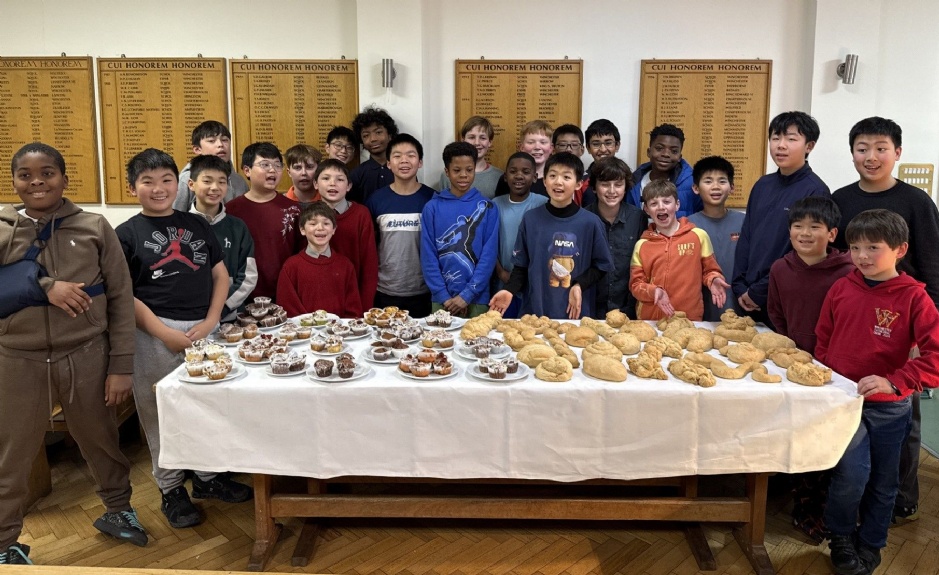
(174,340)
(219,295)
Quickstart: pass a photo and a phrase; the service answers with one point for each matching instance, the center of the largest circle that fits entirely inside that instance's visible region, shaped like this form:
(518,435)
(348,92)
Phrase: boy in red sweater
(355,233)
(671,260)
(317,277)
(870,320)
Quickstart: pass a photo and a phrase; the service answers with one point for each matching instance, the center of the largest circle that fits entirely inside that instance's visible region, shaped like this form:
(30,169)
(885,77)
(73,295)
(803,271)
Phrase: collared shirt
(315,254)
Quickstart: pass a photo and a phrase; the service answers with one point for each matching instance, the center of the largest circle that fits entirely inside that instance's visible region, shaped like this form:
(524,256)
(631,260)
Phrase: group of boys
(544,237)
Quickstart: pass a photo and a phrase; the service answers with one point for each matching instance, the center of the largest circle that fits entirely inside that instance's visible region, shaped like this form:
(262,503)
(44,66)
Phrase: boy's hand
(574,299)
(117,388)
(746,303)
(871,384)
(201,330)
(69,297)
(501,301)
(719,291)
(175,340)
(661,300)
(456,306)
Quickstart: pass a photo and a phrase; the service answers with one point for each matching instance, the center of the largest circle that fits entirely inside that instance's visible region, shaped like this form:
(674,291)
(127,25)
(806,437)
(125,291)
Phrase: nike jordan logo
(159,274)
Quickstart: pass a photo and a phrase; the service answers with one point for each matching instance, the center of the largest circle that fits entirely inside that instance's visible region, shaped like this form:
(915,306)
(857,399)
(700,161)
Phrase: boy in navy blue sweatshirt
(764,237)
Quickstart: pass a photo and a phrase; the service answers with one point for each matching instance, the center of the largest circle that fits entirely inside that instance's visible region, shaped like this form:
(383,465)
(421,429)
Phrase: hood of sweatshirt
(684,226)
(892,286)
(834,260)
(17,244)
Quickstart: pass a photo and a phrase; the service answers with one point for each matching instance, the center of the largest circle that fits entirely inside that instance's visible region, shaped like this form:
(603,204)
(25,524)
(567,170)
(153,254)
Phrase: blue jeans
(864,483)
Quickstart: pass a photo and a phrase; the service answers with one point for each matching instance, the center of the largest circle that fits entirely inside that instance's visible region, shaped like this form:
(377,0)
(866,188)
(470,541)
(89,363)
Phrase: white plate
(271,328)
(455,324)
(367,356)
(352,336)
(264,361)
(329,316)
(267,370)
(465,352)
(218,340)
(324,353)
(361,370)
(432,376)
(376,331)
(236,372)
(522,373)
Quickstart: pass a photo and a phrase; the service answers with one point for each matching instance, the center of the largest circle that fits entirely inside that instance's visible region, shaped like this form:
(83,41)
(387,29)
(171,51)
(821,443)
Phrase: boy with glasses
(341,144)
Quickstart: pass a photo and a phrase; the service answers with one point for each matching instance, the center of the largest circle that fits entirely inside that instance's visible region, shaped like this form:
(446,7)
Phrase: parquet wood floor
(59,530)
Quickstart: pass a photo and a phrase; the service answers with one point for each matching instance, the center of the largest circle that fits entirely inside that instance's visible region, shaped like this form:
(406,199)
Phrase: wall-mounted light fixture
(847,70)
(388,73)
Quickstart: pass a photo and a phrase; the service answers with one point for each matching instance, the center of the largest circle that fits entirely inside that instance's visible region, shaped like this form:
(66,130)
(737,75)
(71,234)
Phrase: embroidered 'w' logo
(885,317)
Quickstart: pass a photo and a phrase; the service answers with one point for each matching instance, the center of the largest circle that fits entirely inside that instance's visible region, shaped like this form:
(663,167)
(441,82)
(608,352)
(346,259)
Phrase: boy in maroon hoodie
(798,284)
(870,321)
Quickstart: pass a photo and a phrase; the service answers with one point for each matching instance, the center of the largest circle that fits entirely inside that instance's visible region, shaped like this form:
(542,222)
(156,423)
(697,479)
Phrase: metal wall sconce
(847,70)
(388,72)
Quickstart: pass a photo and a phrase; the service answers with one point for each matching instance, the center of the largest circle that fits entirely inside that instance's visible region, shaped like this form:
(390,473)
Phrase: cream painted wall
(897,76)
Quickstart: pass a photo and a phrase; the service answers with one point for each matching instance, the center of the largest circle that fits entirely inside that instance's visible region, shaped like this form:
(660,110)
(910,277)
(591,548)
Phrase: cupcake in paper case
(194,367)
(323,367)
(216,372)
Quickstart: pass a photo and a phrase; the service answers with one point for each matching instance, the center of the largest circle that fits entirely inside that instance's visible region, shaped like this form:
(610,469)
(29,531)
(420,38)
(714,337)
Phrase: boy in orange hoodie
(671,260)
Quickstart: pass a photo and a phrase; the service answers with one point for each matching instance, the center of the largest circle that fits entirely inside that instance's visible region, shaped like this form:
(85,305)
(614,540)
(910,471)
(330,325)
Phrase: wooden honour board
(721,105)
(291,102)
(51,100)
(155,103)
(511,93)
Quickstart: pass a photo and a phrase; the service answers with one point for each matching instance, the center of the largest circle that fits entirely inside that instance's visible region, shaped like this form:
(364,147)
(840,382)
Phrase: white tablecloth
(386,425)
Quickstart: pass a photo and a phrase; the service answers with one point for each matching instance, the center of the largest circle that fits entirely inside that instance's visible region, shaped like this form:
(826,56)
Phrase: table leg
(266,530)
(307,540)
(750,535)
(694,533)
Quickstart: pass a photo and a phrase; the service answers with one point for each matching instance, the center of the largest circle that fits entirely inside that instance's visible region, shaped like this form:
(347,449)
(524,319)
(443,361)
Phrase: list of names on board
(51,100)
(510,93)
(155,103)
(290,102)
(721,105)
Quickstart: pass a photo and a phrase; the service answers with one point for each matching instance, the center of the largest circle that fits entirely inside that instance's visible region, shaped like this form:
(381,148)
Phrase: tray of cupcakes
(258,351)
(211,367)
(499,370)
(286,364)
(322,344)
(427,364)
(387,351)
(264,313)
(342,369)
(382,317)
(349,330)
(317,319)
(482,348)
(443,320)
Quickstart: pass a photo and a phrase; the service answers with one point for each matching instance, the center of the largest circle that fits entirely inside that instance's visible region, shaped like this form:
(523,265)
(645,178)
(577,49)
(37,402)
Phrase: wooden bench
(40,477)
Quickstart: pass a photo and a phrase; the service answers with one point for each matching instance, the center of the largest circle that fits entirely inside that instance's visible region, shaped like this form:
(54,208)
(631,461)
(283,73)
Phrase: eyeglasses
(268,166)
(567,146)
(346,147)
(597,144)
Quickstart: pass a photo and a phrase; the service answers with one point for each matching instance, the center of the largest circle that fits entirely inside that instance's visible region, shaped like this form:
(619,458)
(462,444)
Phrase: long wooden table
(386,427)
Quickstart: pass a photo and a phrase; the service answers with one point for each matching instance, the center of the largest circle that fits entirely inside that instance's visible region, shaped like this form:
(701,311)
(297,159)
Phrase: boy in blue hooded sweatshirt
(459,238)
(665,163)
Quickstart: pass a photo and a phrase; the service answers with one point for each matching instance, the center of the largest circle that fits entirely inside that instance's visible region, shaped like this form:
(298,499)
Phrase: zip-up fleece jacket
(84,249)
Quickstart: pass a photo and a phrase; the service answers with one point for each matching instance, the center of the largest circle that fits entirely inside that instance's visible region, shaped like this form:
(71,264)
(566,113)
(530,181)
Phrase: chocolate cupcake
(497,370)
(381,353)
(511,366)
(323,367)
(280,367)
(421,369)
(346,370)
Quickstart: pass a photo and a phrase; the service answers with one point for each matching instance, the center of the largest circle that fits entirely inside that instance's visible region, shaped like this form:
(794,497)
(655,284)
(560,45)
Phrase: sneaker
(904,515)
(221,487)
(870,558)
(123,525)
(844,557)
(16,554)
(179,510)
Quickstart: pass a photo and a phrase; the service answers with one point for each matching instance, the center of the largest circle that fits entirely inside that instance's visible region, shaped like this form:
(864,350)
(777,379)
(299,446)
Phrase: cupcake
(269,321)
(391,310)
(344,357)
(431,320)
(216,372)
(426,355)
(296,361)
(481,351)
(245,319)
(225,360)
(288,334)
(333,344)
(262,300)
(320,317)
(234,335)
(224,329)
(323,367)
(445,341)
(406,362)
(251,331)
(280,367)
(443,368)
(444,319)
(194,368)
(304,332)
(497,370)
(359,327)
(511,366)
(306,320)
(428,340)
(381,353)
(399,349)
(213,351)
(420,369)
(318,343)
(341,330)
(253,355)
(483,365)
(195,354)
(496,347)
(383,320)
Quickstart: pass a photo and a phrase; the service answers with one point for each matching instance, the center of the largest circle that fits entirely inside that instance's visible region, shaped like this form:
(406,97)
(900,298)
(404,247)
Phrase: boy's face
(789,150)
(810,238)
(569,143)
(39,183)
(264,173)
(461,172)
(876,260)
(210,187)
(333,185)
(874,157)
(479,138)
(664,153)
(538,146)
(714,188)
(519,175)
(561,182)
(301,174)
(318,231)
(156,190)
(340,149)
(611,192)
(214,146)
(404,161)
(602,146)
(662,210)
(375,139)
